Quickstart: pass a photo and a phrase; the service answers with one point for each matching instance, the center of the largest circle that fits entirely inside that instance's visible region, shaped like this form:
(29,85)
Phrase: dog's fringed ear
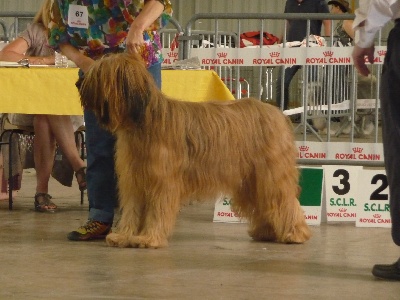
(137,85)
(104,118)
(118,88)
(92,90)
(137,101)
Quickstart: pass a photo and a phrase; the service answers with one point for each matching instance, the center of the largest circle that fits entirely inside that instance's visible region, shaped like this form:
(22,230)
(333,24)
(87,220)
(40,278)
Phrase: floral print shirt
(107,28)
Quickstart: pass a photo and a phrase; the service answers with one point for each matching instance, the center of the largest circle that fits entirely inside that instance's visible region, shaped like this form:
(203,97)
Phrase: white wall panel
(19,5)
(185,9)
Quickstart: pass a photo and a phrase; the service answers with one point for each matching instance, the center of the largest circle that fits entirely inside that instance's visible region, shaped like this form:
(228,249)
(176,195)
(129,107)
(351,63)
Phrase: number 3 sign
(341,191)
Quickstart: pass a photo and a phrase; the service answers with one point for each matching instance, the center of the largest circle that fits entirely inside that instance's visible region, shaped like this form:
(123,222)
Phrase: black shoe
(391,272)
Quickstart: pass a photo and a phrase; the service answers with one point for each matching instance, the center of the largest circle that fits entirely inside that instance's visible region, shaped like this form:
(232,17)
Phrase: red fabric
(254,37)
(175,42)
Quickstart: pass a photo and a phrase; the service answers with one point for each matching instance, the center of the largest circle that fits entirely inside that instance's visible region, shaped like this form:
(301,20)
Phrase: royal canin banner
(273,56)
(169,56)
(340,151)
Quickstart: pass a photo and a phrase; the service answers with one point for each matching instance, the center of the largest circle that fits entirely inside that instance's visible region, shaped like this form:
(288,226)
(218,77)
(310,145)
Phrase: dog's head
(117,88)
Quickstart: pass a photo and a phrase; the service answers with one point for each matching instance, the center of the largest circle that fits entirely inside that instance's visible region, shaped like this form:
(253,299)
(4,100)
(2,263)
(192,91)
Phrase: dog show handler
(85,31)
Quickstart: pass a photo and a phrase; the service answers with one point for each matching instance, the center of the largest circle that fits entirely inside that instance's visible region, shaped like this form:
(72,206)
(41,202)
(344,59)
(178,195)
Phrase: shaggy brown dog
(169,152)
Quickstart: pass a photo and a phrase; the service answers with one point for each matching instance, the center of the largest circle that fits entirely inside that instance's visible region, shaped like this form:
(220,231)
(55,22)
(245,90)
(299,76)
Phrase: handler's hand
(134,41)
(83,62)
(359,58)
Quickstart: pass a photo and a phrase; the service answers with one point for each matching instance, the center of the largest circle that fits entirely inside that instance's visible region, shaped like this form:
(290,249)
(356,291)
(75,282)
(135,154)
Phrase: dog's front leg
(132,210)
(158,220)
(128,225)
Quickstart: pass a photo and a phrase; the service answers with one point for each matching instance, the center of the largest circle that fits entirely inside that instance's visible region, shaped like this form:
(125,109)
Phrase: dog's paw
(117,240)
(299,235)
(147,242)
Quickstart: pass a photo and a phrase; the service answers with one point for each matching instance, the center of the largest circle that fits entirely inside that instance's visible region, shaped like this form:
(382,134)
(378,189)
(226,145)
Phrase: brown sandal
(81,178)
(43,203)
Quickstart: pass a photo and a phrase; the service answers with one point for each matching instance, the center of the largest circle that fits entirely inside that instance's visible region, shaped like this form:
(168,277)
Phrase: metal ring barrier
(15,27)
(317,98)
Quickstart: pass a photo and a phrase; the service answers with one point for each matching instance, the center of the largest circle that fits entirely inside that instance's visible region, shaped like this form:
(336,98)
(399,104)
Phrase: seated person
(49,129)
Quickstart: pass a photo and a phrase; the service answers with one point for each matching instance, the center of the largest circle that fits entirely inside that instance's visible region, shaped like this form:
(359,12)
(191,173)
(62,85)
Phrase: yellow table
(194,85)
(52,90)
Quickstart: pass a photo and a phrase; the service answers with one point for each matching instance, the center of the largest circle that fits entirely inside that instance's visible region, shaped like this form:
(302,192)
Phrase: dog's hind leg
(284,225)
(296,229)
(246,204)
(277,214)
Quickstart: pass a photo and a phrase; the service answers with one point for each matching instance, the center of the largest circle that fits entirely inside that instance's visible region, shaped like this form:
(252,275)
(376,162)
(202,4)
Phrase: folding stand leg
(82,146)
(9,191)
(10,179)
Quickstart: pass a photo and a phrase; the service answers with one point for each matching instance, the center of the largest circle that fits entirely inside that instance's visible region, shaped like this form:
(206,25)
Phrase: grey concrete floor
(204,260)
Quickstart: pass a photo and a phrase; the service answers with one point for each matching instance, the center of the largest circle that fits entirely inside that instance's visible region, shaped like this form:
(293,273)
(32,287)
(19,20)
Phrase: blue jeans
(290,72)
(101,179)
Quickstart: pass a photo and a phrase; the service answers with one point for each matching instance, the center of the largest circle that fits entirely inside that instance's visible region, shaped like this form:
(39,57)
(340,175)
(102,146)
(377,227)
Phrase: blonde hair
(43,15)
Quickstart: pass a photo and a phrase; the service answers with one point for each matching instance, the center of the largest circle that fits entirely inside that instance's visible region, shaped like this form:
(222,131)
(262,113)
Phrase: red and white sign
(223,212)
(169,56)
(340,151)
(277,56)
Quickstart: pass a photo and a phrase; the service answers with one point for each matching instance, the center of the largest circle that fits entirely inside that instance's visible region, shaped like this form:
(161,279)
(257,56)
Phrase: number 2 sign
(373,209)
